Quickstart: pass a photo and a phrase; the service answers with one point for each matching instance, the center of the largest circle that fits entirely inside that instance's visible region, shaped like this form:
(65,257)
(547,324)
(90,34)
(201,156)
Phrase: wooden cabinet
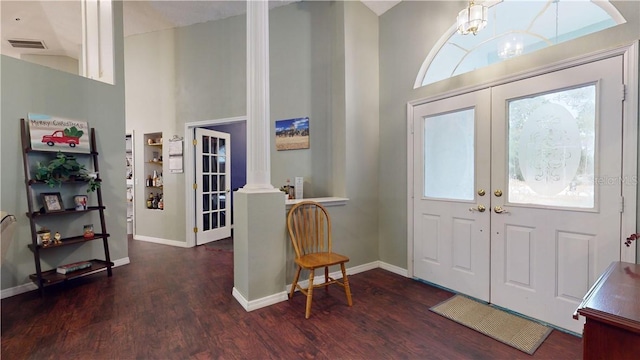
(67,216)
(612,312)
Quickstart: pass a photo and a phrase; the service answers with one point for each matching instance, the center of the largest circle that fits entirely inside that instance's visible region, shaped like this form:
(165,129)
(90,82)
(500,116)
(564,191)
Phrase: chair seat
(316,260)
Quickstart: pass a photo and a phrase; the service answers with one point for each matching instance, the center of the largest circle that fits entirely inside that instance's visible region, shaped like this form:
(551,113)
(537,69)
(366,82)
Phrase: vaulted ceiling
(58,23)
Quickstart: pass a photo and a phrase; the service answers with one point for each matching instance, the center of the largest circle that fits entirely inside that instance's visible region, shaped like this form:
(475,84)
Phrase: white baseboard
(30,286)
(259,303)
(394,269)
(17,290)
(156,240)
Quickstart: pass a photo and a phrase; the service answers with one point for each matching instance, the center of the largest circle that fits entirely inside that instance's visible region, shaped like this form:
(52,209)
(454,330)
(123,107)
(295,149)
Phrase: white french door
(451,218)
(557,159)
(213,183)
(553,184)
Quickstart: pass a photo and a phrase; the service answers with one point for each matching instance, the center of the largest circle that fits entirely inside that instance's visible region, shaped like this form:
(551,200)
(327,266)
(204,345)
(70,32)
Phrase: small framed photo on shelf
(80,201)
(52,202)
(88,231)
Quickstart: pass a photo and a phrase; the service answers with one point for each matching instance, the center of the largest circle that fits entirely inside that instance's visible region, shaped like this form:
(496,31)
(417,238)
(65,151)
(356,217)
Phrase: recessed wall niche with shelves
(153,171)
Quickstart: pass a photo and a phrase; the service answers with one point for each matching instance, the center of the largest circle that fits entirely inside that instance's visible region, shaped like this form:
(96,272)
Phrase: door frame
(629,127)
(190,168)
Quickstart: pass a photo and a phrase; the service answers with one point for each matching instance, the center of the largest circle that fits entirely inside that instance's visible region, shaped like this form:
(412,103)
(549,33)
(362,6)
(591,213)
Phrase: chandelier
(472,19)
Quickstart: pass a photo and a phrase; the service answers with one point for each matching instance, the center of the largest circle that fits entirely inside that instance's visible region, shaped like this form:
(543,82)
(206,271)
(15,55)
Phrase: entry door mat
(220,245)
(522,334)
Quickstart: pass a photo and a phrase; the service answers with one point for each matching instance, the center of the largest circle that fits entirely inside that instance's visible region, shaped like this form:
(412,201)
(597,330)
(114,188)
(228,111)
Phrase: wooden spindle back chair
(309,227)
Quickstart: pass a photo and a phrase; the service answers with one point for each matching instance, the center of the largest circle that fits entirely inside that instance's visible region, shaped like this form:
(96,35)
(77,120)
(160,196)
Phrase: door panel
(451,246)
(557,146)
(213,174)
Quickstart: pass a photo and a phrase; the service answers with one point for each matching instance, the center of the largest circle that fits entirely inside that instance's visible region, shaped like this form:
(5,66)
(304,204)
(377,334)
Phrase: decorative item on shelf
(44,236)
(150,201)
(80,201)
(52,202)
(49,133)
(161,202)
(65,269)
(65,167)
(631,239)
(57,238)
(88,231)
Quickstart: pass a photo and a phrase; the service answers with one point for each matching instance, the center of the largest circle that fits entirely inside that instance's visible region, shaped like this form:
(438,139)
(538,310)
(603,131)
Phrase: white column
(258,124)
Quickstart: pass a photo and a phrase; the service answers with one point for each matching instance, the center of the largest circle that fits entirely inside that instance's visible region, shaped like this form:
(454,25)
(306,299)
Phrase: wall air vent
(27,44)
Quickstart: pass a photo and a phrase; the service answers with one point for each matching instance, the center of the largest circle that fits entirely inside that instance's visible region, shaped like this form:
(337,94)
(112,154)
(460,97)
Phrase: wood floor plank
(174,303)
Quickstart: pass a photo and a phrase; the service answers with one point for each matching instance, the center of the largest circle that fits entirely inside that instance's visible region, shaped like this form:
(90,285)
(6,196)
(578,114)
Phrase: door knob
(481,192)
(499,210)
(479,208)
(497,193)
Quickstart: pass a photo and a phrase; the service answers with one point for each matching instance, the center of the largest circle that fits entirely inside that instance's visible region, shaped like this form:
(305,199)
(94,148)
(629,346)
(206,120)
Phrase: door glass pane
(205,202)
(205,183)
(222,219)
(205,221)
(449,161)
(214,164)
(214,145)
(214,182)
(214,220)
(205,144)
(214,202)
(205,164)
(223,184)
(552,148)
(222,161)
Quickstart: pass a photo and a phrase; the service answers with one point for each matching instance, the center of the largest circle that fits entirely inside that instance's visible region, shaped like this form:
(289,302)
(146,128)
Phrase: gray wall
(205,70)
(405,40)
(28,87)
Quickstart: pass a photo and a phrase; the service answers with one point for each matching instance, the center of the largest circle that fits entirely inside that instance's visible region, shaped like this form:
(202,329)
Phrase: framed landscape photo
(52,202)
(48,133)
(292,134)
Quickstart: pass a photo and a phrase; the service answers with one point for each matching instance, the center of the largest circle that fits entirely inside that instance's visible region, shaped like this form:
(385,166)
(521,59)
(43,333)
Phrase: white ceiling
(58,23)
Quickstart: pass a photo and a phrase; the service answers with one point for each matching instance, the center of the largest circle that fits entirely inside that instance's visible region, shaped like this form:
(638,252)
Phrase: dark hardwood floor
(173,303)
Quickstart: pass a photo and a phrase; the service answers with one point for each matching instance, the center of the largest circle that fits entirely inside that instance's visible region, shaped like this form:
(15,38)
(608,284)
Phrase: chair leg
(295,283)
(309,295)
(326,278)
(345,280)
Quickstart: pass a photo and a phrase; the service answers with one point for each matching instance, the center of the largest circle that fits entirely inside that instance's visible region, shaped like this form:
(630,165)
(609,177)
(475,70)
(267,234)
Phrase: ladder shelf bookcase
(34,188)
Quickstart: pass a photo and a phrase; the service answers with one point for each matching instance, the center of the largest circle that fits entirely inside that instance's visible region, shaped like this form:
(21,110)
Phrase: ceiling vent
(27,44)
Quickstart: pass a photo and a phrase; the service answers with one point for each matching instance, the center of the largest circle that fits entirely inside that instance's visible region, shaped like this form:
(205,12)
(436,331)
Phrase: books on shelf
(65,269)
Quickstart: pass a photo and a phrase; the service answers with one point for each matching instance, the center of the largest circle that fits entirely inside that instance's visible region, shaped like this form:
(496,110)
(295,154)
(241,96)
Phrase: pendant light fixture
(472,19)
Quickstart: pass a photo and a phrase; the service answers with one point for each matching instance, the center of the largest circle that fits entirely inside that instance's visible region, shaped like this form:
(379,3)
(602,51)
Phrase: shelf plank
(40,182)
(52,277)
(67,211)
(69,241)
(30,150)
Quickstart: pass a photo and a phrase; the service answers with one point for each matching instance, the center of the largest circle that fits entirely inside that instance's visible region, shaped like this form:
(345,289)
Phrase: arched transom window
(515,27)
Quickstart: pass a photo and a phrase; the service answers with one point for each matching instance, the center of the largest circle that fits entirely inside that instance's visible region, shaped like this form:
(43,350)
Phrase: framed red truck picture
(49,133)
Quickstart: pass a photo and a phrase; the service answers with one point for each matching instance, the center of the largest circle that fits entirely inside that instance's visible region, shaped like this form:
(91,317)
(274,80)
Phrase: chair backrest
(309,227)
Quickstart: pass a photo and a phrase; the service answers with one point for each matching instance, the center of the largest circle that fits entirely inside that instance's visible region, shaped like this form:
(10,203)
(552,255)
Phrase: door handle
(499,210)
(479,208)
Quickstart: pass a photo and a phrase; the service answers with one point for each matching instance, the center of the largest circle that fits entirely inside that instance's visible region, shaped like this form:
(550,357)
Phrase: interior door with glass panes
(213,183)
